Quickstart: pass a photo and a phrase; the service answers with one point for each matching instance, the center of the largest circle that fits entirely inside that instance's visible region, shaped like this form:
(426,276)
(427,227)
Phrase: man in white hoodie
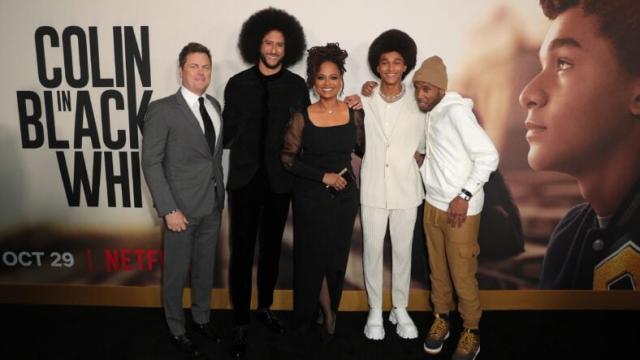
(459,159)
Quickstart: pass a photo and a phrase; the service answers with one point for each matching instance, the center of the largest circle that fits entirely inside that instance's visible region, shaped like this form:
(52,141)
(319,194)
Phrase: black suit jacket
(248,97)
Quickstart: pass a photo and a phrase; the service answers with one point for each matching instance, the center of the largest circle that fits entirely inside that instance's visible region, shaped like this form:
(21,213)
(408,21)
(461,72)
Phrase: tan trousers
(453,259)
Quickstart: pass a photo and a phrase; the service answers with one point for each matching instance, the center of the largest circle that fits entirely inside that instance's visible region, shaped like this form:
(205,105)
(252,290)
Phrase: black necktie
(209,130)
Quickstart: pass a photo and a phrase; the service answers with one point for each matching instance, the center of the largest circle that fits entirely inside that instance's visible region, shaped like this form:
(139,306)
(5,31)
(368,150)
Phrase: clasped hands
(176,221)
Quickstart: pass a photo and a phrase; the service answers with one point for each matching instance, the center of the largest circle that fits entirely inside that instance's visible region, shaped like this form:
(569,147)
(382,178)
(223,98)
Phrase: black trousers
(255,212)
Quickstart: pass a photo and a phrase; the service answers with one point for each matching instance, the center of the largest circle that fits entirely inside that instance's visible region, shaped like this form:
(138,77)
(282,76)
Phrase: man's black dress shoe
(184,344)
(270,320)
(208,331)
(239,343)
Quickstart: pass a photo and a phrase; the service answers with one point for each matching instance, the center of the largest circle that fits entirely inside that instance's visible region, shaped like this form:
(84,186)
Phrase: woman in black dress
(317,149)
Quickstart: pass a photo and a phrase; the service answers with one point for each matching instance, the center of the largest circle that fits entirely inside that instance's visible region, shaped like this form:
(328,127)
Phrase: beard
(264,61)
(430,106)
(433,103)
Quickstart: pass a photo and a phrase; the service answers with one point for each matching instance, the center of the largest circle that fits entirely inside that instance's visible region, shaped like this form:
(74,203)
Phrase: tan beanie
(432,71)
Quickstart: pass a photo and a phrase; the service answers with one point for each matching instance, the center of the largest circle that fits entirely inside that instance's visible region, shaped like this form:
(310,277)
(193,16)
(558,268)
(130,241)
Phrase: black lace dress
(323,220)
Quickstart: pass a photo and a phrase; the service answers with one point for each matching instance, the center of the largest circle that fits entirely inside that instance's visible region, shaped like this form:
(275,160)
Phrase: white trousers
(374,228)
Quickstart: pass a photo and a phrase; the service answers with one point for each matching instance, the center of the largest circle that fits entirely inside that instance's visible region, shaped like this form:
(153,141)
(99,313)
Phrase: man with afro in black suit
(258,104)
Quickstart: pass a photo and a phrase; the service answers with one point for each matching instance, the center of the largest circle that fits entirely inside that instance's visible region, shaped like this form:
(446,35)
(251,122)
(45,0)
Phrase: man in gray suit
(182,164)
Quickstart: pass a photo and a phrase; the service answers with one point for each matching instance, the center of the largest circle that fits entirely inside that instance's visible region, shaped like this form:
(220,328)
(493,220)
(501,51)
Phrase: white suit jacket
(389,175)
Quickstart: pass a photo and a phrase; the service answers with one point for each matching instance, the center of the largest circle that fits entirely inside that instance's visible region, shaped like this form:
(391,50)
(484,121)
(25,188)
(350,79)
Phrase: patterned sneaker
(405,328)
(468,346)
(374,329)
(438,333)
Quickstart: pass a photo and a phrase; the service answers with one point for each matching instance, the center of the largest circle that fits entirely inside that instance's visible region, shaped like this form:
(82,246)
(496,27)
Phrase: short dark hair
(190,48)
(260,24)
(393,40)
(320,54)
(619,22)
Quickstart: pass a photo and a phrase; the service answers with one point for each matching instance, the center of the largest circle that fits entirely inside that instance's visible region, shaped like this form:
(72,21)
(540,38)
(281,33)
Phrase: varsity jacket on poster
(581,255)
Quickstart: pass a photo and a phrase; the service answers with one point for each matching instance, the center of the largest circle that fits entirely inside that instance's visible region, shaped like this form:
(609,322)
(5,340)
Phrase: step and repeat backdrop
(78,77)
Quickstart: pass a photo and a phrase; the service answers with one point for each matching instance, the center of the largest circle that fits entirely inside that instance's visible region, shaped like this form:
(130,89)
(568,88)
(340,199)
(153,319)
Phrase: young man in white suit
(391,189)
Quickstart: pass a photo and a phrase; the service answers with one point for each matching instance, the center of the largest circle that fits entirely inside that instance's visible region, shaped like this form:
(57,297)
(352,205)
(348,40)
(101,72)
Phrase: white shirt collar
(190,97)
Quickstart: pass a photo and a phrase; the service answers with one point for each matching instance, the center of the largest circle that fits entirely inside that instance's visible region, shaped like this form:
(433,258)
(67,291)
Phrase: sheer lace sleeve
(290,154)
(292,140)
(358,120)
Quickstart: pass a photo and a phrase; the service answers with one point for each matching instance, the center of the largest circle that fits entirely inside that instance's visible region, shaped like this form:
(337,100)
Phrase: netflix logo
(132,259)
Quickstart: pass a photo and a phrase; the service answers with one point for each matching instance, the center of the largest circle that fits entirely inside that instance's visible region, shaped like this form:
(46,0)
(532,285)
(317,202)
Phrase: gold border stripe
(352,300)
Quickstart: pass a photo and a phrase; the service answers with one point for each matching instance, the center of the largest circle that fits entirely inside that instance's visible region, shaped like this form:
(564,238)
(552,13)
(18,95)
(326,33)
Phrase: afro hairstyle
(264,21)
(393,40)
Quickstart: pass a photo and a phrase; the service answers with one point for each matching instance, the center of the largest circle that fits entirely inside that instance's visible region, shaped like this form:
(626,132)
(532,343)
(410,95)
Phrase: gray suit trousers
(198,243)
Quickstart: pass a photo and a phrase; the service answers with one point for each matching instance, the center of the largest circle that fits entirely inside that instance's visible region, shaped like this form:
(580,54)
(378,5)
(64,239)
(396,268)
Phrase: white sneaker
(405,327)
(374,328)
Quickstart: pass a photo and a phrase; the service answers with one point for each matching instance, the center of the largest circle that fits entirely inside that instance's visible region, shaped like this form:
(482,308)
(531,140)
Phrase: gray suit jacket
(177,163)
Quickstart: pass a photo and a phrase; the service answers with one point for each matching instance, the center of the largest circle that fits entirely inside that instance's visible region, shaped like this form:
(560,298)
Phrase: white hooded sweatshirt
(459,154)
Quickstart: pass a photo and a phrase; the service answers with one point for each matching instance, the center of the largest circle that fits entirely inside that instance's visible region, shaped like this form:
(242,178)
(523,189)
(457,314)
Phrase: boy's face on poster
(578,104)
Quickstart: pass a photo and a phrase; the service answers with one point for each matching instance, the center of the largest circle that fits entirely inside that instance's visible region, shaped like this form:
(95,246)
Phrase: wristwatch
(465,194)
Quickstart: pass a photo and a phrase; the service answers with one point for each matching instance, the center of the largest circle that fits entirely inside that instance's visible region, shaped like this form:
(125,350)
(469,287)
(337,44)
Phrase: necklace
(392,98)
(328,111)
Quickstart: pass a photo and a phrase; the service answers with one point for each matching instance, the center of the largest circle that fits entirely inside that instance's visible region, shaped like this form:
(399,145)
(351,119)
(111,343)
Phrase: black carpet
(82,332)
